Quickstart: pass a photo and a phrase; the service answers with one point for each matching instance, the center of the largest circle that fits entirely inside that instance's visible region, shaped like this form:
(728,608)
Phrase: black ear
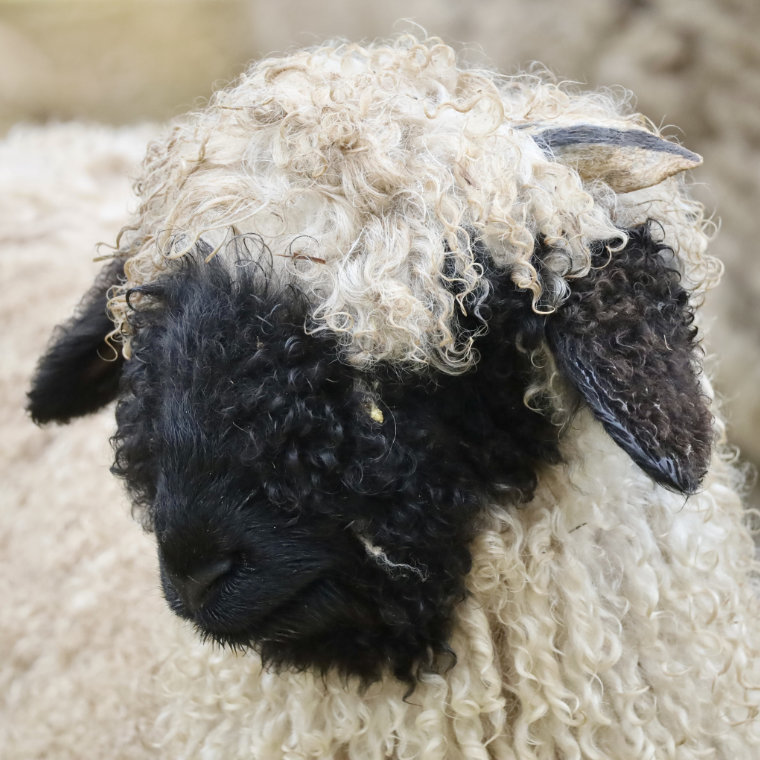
(79,373)
(626,341)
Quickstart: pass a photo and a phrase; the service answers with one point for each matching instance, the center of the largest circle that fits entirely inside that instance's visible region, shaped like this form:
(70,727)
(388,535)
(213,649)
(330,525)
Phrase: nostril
(194,586)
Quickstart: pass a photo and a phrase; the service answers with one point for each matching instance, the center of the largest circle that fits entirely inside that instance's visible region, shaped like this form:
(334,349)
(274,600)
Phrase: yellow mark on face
(375,412)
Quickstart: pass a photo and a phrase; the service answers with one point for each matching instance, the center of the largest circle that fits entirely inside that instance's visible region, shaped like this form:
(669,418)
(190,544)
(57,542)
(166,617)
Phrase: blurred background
(692,63)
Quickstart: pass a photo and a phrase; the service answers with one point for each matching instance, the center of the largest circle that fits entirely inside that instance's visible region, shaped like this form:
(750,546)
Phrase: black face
(314,512)
(322,515)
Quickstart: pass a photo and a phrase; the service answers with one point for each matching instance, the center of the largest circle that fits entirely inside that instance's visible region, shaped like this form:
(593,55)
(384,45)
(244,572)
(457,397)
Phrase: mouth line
(248,631)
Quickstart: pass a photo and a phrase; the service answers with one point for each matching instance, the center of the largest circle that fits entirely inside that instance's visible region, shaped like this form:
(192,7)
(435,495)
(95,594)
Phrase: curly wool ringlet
(353,163)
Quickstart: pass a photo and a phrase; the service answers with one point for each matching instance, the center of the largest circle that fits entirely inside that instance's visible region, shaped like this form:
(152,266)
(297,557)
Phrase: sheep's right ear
(79,373)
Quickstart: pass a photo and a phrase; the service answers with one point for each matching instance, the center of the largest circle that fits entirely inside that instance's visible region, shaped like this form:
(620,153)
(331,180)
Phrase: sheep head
(318,508)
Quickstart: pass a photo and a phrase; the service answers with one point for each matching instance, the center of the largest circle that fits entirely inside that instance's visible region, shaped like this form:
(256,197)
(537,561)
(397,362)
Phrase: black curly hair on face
(314,512)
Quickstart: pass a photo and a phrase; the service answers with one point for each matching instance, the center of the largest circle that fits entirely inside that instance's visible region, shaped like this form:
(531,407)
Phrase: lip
(215,620)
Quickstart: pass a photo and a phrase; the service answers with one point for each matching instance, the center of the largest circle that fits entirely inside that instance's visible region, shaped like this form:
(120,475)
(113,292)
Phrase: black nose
(195,585)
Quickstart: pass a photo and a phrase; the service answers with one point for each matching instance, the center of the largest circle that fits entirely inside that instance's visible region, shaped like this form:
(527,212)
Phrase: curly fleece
(353,163)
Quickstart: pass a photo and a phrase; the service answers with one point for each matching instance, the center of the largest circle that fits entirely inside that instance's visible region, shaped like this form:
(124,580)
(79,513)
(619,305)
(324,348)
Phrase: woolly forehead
(364,166)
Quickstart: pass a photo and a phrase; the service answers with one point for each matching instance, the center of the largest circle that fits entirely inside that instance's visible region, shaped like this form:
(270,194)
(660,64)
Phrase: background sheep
(546,697)
(77,657)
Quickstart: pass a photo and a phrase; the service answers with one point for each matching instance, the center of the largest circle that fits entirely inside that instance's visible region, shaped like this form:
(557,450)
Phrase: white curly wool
(352,164)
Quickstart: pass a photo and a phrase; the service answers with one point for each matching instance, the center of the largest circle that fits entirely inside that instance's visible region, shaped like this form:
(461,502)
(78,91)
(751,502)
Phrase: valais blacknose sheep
(410,393)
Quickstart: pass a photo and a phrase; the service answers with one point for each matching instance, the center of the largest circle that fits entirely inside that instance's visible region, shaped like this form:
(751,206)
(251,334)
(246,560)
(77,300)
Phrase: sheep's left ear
(79,373)
(626,341)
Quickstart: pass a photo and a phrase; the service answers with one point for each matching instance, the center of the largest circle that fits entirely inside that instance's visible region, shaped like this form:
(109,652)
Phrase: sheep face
(301,506)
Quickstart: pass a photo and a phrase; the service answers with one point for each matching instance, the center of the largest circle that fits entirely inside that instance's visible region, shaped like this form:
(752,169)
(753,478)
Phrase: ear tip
(684,162)
(41,405)
(688,487)
(684,478)
(695,158)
